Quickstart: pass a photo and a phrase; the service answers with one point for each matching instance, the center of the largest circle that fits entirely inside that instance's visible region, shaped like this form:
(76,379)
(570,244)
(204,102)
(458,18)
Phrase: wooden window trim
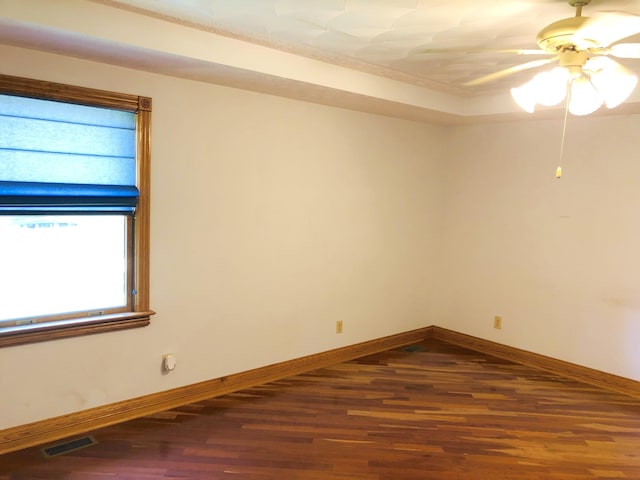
(141,313)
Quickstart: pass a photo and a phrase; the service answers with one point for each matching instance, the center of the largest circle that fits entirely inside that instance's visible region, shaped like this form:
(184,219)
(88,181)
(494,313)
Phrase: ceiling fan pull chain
(564,130)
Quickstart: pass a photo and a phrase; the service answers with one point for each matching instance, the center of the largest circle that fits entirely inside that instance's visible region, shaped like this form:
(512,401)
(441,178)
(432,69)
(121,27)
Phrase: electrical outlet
(339,326)
(168,362)
(497,322)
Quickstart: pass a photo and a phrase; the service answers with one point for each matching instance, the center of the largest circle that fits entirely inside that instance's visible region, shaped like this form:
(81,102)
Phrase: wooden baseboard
(559,367)
(77,423)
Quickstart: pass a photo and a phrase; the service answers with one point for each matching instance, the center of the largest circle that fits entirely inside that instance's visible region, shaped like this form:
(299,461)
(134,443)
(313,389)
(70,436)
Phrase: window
(74,211)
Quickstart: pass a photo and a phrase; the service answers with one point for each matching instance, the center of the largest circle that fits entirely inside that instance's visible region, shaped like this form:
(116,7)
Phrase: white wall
(271,219)
(558,259)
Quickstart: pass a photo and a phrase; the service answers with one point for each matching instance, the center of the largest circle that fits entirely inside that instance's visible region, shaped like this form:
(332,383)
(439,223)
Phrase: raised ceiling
(362,54)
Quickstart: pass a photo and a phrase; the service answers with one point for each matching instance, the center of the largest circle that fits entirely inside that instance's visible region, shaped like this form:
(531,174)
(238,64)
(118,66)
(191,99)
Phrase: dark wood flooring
(428,411)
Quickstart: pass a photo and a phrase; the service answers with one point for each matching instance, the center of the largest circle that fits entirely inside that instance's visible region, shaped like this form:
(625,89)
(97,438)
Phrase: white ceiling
(385,36)
(363,54)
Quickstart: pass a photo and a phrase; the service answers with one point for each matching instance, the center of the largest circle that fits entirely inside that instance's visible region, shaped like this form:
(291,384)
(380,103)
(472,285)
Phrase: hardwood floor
(427,411)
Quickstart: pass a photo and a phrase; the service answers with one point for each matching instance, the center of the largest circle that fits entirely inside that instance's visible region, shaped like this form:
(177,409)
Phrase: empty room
(319,239)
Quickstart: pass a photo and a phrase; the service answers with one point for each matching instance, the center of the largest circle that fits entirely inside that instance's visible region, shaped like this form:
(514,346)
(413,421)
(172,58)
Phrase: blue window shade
(57,156)
(21,198)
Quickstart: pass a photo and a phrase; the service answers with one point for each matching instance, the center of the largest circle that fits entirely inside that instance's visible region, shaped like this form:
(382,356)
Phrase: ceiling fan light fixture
(585,99)
(601,81)
(551,86)
(524,96)
(546,88)
(611,80)
(614,88)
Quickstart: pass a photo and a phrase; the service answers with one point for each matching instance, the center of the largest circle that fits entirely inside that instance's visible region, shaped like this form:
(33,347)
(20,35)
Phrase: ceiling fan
(585,75)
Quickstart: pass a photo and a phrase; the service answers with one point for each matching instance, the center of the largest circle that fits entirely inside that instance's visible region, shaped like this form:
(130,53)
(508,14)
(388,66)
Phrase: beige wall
(271,219)
(558,259)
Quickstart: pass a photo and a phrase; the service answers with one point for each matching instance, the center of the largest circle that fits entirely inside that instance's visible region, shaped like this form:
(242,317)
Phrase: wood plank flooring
(427,411)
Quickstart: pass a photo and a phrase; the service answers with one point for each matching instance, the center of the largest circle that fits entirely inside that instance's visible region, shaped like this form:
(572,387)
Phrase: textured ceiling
(388,37)
(402,58)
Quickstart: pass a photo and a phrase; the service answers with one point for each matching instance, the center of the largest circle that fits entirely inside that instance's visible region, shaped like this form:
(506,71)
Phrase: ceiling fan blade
(517,51)
(606,28)
(625,50)
(508,71)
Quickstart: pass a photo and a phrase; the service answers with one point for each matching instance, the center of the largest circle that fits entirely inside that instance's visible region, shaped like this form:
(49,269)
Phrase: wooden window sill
(40,332)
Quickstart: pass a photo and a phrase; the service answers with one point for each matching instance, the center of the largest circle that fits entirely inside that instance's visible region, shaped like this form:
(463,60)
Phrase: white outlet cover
(169,362)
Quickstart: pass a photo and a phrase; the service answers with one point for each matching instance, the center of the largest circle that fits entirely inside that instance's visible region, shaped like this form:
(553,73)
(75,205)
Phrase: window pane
(61,264)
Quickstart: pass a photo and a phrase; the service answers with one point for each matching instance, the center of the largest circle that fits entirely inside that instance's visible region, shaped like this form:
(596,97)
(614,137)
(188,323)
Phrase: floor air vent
(415,348)
(70,446)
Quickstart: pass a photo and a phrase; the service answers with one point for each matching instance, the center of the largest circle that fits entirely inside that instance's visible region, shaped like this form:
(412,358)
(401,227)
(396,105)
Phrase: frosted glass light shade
(614,82)
(551,87)
(524,96)
(585,99)
(546,88)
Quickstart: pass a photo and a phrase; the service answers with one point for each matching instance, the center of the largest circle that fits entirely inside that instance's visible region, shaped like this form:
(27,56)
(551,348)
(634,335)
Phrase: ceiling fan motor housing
(560,36)
(573,61)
